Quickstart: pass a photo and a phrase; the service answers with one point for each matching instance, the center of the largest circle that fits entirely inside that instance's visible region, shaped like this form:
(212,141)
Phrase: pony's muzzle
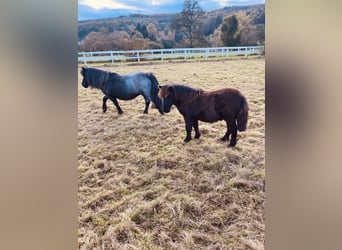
(161,110)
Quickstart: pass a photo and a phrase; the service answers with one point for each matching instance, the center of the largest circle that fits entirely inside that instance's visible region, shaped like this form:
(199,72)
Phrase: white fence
(167,54)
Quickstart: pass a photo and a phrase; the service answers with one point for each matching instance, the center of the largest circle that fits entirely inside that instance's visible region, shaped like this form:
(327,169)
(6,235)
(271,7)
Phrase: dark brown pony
(208,106)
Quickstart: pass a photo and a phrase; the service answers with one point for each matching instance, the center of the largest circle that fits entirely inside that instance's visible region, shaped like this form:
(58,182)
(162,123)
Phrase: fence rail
(166,54)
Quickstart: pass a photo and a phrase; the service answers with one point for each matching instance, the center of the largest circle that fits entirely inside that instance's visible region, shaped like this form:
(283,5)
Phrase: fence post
(85,59)
(138,56)
(184,54)
(162,56)
(111,54)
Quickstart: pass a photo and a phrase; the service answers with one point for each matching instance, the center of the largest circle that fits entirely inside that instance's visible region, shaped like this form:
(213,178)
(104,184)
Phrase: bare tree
(190,20)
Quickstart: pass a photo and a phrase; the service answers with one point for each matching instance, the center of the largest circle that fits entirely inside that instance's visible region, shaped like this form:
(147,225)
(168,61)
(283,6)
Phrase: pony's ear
(84,68)
(160,86)
(165,91)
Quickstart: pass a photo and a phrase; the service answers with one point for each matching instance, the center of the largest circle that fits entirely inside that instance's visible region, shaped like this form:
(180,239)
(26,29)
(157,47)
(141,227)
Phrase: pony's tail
(242,116)
(154,91)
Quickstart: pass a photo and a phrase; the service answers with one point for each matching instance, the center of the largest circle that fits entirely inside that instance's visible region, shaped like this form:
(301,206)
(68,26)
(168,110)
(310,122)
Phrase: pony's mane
(95,77)
(154,88)
(186,94)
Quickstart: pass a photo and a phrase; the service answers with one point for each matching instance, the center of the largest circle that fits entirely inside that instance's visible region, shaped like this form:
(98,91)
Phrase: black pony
(209,106)
(123,87)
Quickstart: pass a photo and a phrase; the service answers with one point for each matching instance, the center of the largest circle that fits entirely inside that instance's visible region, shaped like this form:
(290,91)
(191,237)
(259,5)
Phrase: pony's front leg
(147,103)
(188,127)
(104,105)
(197,133)
(116,105)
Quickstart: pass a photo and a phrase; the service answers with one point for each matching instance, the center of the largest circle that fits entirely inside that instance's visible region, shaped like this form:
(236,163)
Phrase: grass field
(142,187)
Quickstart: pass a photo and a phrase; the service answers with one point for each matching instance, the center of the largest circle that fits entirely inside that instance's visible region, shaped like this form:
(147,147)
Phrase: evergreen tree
(144,31)
(230,34)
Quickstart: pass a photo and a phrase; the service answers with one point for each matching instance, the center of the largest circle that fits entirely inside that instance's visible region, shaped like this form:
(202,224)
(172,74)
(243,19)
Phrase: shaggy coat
(123,87)
(208,106)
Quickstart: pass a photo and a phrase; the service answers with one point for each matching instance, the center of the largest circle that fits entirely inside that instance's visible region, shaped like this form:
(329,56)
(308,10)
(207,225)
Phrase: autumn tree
(251,34)
(215,39)
(137,41)
(190,20)
(97,41)
(261,34)
(121,40)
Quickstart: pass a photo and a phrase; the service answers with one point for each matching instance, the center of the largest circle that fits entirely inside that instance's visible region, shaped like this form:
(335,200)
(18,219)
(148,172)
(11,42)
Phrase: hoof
(231,145)
(225,137)
(187,139)
(197,136)
(120,112)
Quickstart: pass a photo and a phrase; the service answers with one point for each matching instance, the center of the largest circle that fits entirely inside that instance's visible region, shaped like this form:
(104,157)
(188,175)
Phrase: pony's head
(167,94)
(93,77)
(84,81)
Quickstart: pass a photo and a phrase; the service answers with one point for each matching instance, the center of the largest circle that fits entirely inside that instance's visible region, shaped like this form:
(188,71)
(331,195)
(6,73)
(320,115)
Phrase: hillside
(158,30)
(123,23)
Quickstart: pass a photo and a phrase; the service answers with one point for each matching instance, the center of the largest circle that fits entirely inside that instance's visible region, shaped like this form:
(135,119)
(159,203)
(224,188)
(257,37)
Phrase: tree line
(190,28)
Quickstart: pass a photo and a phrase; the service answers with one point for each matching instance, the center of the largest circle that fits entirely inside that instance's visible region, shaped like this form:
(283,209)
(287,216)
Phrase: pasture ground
(142,187)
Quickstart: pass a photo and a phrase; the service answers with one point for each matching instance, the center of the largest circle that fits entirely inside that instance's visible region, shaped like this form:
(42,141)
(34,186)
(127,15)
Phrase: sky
(94,9)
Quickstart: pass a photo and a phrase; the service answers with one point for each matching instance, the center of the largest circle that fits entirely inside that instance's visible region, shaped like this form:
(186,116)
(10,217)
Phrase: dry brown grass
(142,187)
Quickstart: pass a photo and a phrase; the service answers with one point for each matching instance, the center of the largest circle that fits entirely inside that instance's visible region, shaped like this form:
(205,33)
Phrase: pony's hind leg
(113,99)
(226,135)
(104,105)
(233,129)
